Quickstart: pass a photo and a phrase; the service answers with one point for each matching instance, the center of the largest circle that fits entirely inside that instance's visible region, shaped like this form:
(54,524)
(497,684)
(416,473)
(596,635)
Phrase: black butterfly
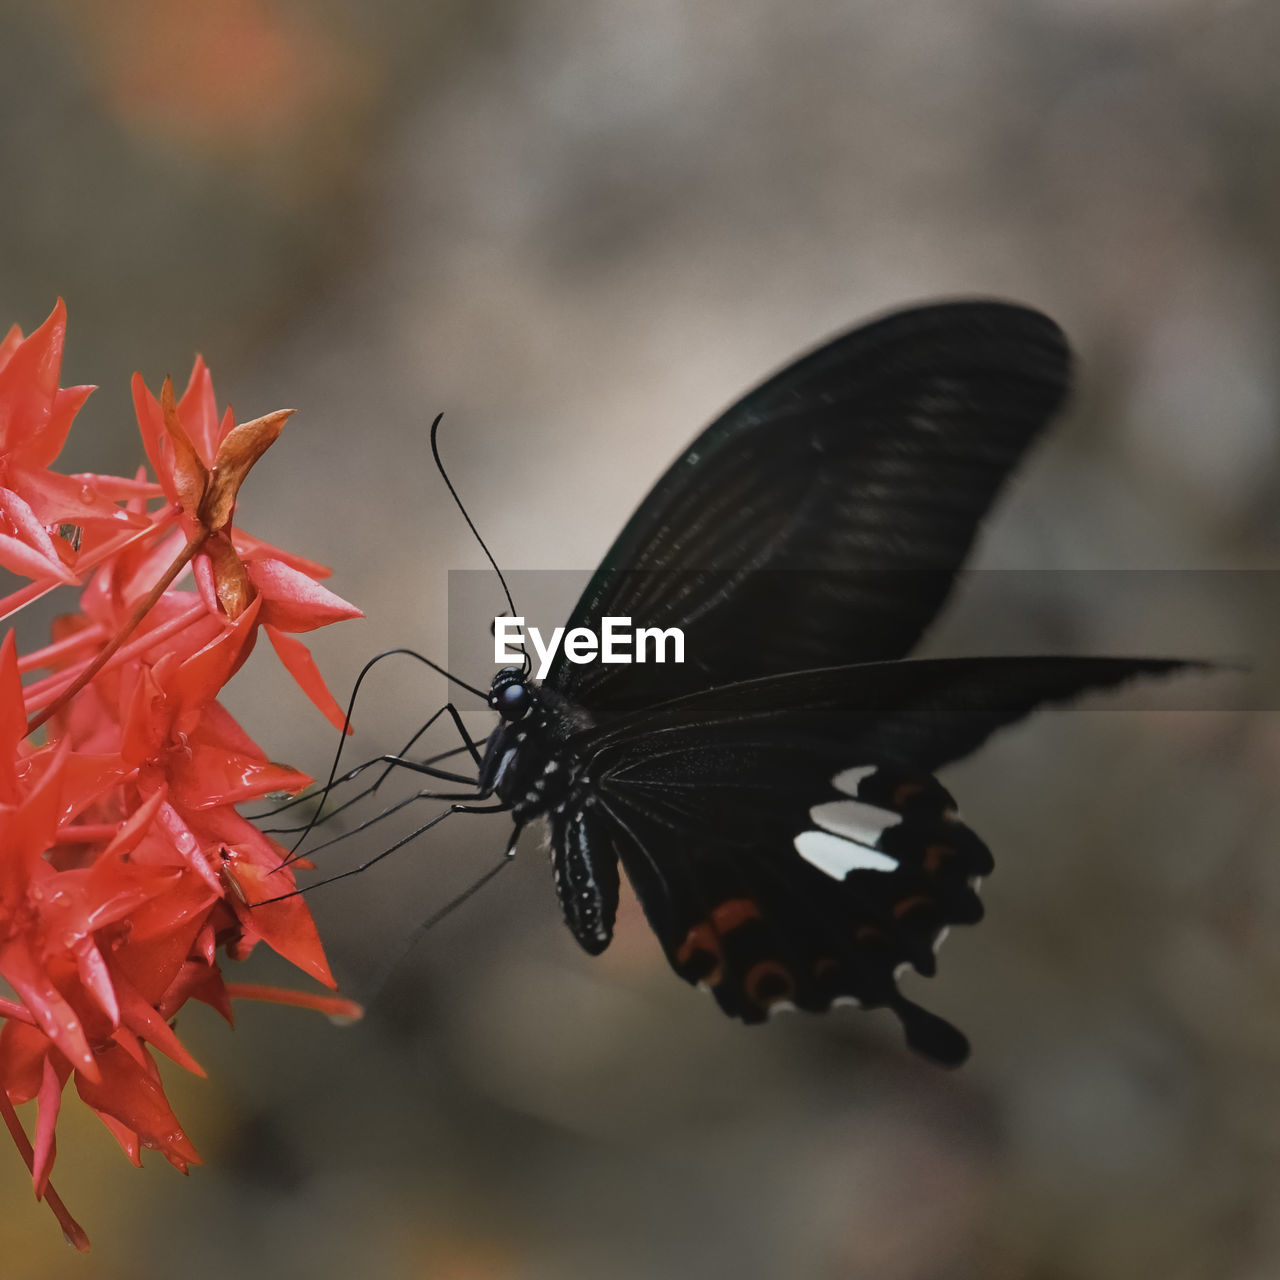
(772,800)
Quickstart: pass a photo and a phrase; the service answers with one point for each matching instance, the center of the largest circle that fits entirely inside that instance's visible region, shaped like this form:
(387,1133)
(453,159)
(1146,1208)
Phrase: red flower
(35,416)
(202,460)
(125,869)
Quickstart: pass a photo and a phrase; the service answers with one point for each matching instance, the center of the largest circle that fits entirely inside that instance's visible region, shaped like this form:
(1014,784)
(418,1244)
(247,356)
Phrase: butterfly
(773,800)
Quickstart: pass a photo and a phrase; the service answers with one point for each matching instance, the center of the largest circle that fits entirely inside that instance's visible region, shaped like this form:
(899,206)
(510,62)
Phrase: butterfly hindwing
(786,836)
(747,916)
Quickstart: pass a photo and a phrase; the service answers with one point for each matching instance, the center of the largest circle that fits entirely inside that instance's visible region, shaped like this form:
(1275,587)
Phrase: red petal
(13,720)
(135,1098)
(125,1136)
(200,678)
(10,343)
(146,726)
(302,667)
(331,1006)
(23,1049)
(252,549)
(54,1016)
(29,381)
(134,827)
(145,1022)
(210,775)
(151,428)
(218,726)
(178,914)
(206,583)
(187,844)
(96,979)
(286,926)
(199,411)
(27,831)
(197,981)
(46,1145)
(26,525)
(86,776)
(44,444)
(27,562)
(224,826)
(296,602)
(71,499)
(19,1013)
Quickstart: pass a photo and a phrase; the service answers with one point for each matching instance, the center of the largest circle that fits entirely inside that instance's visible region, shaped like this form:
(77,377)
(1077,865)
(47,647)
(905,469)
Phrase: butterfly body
(772,800)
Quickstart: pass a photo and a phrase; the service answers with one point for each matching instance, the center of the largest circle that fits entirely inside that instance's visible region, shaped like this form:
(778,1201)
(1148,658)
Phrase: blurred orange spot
(222,73)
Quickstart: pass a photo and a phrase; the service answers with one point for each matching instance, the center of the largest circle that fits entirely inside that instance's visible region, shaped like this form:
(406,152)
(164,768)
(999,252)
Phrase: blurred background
(580,229)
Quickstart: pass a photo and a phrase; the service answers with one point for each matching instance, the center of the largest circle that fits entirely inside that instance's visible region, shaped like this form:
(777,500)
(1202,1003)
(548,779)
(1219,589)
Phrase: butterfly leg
(468,744)
(399,844)
(390,762)
(349,776)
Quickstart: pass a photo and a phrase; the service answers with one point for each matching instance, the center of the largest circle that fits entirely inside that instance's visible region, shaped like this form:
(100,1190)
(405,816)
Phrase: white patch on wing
(849,779)
(863,823)
(837,856)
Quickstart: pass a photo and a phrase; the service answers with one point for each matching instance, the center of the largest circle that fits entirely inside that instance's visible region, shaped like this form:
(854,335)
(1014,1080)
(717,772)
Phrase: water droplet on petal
(88,492)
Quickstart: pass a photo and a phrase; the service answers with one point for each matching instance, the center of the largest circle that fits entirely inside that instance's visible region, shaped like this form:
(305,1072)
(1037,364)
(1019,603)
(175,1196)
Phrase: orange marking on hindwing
(935,855)
(904,791)
(702,940)
(908,905)
(768,982)
(733,914)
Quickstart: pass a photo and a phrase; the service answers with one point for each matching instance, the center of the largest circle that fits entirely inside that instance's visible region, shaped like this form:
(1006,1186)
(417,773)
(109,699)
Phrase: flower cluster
(126,872)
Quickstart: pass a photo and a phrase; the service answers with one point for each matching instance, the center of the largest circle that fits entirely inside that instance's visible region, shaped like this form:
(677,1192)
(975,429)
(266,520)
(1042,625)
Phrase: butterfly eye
(512,702)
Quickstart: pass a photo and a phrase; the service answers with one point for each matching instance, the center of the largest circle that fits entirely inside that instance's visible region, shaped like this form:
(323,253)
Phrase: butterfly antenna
(453,493)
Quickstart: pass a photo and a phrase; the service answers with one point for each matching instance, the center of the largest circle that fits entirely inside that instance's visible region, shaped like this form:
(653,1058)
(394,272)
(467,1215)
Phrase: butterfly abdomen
(585,868)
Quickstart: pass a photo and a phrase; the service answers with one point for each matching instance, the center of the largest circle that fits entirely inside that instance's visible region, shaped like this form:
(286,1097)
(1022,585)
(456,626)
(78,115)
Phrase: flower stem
(184,558)
(70,1227)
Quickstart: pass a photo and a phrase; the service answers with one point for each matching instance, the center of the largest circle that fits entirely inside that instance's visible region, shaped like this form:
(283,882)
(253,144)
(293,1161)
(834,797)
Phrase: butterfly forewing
(821,520)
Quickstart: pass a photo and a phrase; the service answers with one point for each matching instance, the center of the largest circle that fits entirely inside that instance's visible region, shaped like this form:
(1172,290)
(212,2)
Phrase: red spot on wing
(733,914)
(767,982)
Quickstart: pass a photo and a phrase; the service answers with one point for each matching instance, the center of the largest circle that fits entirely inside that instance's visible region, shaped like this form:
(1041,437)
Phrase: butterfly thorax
(529,763)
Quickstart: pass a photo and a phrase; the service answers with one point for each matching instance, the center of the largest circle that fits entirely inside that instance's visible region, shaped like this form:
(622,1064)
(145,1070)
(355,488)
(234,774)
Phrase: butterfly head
(510,695)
